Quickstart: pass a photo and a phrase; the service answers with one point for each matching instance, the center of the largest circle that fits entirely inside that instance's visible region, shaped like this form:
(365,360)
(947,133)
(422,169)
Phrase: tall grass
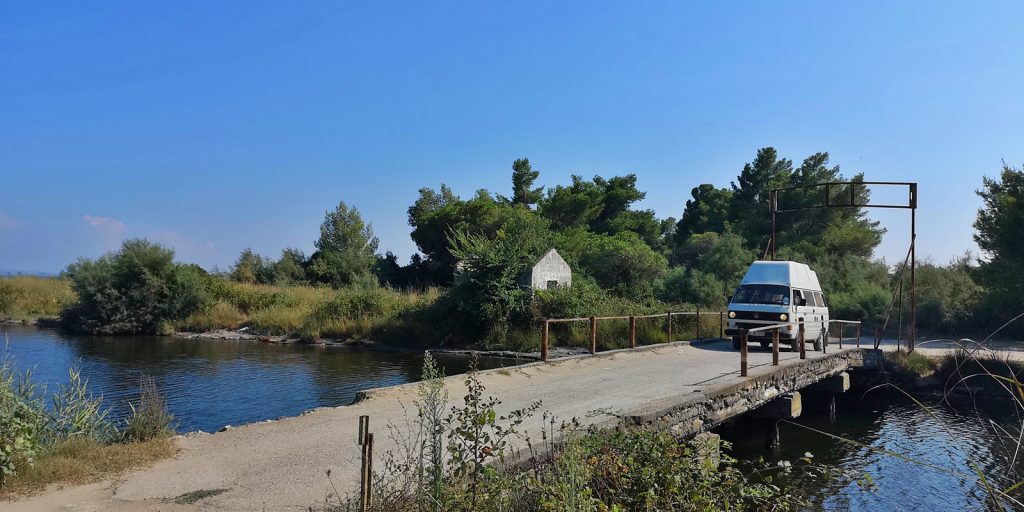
(31,297)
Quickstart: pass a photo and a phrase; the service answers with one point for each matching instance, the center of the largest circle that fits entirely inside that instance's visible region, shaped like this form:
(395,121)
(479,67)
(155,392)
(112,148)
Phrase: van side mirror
(803,302)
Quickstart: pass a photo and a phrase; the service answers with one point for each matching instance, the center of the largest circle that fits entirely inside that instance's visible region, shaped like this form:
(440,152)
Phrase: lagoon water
(212,383)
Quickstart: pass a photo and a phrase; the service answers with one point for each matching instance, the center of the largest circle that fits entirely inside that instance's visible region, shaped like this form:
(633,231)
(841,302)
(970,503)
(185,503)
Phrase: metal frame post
(698,323)
(913,264)
(593,335)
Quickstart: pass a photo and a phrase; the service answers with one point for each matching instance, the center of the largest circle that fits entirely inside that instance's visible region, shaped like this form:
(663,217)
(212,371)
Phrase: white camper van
(774,292)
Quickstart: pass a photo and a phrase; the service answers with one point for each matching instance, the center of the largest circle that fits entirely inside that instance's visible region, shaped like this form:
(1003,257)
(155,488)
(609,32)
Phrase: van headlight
(783,317)
(732,314)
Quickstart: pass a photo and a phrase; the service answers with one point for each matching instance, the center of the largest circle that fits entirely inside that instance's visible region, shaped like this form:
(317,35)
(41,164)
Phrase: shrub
(149,418)
(133,291)
(22,419)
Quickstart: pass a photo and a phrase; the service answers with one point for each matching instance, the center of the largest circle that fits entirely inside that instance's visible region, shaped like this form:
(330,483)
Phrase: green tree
(623,263)
(346,249)
(252,268)
(523,177)
(137,290)
(998,231)
(707,211)
(291,267)
(751,190)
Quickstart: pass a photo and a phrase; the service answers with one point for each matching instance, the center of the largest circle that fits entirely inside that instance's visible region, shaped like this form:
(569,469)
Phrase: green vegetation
(459,460)
(464,287)
(71,439)
(31,297)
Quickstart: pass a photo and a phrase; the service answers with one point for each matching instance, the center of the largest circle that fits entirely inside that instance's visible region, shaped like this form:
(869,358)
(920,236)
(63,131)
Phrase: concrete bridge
(281,465)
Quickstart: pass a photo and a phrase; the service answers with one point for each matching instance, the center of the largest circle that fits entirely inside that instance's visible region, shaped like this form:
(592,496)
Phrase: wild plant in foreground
(149,419)
(76,414)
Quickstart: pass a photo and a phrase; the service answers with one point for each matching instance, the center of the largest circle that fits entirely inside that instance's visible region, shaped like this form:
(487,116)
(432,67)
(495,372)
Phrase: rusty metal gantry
(849,200)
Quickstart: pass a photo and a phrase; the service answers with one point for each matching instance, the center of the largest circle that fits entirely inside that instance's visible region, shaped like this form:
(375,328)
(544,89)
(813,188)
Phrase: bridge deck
(281,465)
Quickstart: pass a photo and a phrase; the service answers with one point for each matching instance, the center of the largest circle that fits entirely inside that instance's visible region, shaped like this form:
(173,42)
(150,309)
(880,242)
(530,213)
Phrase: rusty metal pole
(912,338)
(743,354)
(858,335)
(632,332)
(669,329)
(593,335)
(721,324)
(369,469)
(364,471)
(698,323)
(544,341)
(803,351)
(841,335)
(773,198)
(775,346)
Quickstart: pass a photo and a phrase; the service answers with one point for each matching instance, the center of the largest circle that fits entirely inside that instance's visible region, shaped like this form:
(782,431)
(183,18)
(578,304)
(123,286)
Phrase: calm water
(212,383)
(899,426)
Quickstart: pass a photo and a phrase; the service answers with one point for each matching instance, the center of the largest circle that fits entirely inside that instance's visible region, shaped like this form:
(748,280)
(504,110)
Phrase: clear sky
(215,126)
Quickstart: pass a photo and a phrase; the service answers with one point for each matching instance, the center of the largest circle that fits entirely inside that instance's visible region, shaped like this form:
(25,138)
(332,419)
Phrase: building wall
(550,268)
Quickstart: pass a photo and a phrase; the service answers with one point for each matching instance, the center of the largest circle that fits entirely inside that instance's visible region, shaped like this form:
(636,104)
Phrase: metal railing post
(858,335)
(698,322)
(824,339)
(632,331)
(721,324)
(775,346)
(803,352)
(593,335)
(544,342)
(840,335)
(366,464)
(743,354)
(668,336)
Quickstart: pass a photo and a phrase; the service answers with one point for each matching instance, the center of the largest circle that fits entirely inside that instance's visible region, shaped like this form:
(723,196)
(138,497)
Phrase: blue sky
(215,126)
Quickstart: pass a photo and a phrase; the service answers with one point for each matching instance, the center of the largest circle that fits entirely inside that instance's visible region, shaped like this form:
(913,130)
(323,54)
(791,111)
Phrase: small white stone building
(550,271)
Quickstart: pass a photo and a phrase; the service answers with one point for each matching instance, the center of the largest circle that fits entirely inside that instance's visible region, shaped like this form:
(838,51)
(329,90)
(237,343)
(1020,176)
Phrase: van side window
(819,299)
(797,297)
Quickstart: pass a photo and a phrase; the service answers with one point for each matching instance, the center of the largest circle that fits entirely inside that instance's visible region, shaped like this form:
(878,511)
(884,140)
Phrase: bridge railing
(775,329)
(594,320)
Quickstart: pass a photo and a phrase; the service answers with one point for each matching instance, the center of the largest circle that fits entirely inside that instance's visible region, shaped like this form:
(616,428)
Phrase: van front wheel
(819,343)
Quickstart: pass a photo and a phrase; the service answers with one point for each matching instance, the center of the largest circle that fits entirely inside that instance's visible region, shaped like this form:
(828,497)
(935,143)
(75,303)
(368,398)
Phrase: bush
(149,418)
(136,290)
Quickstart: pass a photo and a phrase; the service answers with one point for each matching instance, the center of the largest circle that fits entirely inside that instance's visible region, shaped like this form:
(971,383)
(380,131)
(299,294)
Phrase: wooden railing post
(721,324)
(544,342)
(593,335)
(858,335)
(743,354)
(803,352)
(775,346)
(668,336)
(632,331)
(840,335)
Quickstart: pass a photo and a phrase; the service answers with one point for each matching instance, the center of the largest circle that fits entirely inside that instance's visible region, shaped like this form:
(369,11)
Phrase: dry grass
(30,297)
(78,462)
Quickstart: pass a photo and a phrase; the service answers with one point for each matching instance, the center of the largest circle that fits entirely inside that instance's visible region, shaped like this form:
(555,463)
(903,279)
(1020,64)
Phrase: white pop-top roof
(789,273)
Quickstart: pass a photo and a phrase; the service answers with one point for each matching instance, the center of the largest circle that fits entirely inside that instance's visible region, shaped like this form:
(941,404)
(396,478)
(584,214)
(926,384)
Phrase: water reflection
(212,383)
(941,477)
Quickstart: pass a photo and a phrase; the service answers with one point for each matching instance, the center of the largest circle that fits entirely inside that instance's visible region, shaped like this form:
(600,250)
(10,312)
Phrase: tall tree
(346,249)
(998,231)
(751,192)
(706,212)
(523,177)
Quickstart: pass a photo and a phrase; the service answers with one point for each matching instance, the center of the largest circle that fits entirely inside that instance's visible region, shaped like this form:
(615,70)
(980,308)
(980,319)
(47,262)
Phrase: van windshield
(774,294)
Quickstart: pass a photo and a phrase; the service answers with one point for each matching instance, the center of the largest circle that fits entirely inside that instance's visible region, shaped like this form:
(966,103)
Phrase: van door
(823,309)
(802,312)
